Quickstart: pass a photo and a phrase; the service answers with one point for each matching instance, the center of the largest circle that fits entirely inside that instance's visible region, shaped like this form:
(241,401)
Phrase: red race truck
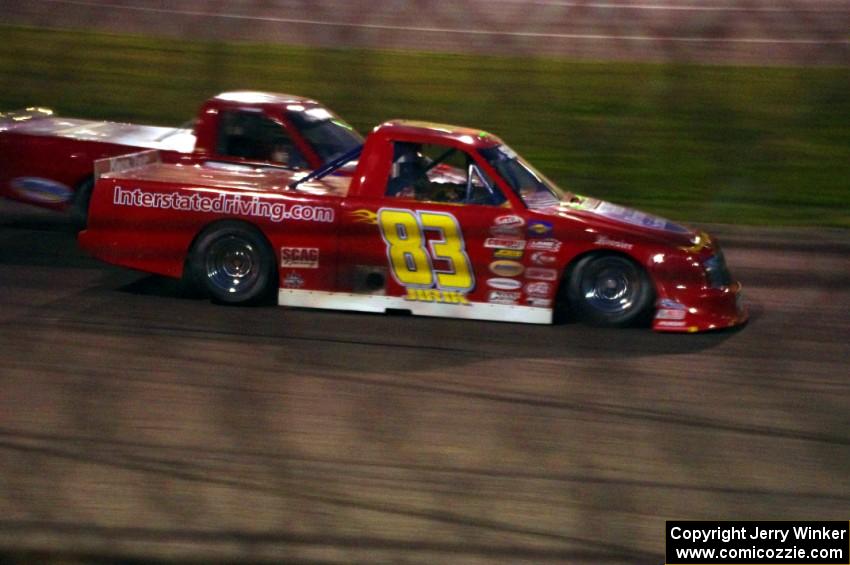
(48,160)
(436,220)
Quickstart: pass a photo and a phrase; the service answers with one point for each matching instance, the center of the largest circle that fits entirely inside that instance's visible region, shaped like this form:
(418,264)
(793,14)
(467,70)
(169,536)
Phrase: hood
(606,215)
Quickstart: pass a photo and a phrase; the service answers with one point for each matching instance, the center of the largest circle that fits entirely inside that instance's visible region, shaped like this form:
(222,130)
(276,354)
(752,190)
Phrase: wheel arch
(79,202)
(88,177)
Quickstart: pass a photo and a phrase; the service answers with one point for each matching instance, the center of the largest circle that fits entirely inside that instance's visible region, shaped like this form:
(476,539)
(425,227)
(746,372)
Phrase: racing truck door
(439,238)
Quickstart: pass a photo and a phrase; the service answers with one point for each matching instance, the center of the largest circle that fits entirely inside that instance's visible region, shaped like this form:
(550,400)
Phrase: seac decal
(539,228)
(45,191)
(299,257)
(503,297)
(506,268)
(541,274)
(539,302)
(504,243)
(504,284)
(553,245)
(433,269)
(507,254)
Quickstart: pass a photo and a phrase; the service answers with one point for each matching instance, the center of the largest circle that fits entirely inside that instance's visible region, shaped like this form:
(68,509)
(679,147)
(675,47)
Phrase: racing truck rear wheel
(233,263)
(609,290)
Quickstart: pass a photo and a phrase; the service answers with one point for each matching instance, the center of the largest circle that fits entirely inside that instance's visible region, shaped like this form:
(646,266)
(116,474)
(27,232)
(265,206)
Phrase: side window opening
(437,173)
(254,136)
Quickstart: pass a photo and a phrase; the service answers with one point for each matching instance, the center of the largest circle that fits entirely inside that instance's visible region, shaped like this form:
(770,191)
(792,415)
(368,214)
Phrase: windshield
(535,190)
(329,135)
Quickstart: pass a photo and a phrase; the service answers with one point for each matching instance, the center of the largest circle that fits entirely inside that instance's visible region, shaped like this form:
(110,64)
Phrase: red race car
(436,220)
(48,160)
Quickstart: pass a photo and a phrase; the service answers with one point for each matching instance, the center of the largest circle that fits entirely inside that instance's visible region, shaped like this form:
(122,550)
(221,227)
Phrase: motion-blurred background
(137,426)
(727,111)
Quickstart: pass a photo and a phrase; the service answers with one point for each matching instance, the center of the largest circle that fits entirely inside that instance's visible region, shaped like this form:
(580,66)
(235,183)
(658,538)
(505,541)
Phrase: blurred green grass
(745,145)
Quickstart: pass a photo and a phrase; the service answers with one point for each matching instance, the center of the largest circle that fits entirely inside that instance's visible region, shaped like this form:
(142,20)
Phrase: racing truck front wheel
(609,290)
(232,262)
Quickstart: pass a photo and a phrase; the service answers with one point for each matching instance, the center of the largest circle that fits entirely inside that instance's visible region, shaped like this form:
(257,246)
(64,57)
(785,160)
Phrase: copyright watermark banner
(760,543)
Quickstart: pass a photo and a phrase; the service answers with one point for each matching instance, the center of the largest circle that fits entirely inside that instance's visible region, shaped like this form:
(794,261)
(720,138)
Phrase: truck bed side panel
(59,163)
(150,226)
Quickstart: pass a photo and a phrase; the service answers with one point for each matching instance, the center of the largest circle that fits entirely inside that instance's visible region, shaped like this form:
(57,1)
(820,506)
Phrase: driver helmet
(407,162)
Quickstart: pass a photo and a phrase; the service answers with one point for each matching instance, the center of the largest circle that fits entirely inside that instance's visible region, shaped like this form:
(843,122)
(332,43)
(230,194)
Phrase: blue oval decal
(41,190)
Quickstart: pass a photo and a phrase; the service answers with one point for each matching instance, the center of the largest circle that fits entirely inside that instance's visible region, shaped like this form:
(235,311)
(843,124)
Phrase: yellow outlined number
(411,263)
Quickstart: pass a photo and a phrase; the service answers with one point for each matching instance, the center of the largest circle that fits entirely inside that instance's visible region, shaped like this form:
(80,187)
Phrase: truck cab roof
(432,132)
(258,97)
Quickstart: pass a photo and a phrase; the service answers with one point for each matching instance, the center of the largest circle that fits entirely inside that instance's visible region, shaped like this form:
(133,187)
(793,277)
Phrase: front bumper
(708,309)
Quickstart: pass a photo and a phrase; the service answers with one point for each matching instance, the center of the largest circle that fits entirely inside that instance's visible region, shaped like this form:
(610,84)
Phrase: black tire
(609,290)
(233,264)
(80,203)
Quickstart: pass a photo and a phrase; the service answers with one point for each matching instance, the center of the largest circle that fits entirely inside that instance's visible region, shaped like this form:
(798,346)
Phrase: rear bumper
(710,309)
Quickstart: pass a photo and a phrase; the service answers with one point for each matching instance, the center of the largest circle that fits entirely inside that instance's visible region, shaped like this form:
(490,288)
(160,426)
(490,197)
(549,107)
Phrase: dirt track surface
(801,32)
(135,422)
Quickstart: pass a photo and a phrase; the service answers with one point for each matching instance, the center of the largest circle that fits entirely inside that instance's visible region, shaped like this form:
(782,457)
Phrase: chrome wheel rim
(232,265)
(610,285)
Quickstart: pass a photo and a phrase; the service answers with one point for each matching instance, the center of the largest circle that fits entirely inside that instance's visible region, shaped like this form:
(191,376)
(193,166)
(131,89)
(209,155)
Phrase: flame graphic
(364,216)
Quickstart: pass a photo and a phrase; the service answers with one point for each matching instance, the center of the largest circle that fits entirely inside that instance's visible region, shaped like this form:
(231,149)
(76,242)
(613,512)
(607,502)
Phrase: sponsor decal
(293,280)
(671,304)
(506,231)
(541,274)
(507,254)
(124,163)
(436,295)
(233,204)
(553,245)
(667,314)
(608,242)
(299,257)
(503,243)
(45,191)
(627,215)
(511,220)
(539,228)
(506,268)
(503,297)
(538,289)
(540,302)
(504,284)
(541,258)
(364,216)
(670,310)
(670,324)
